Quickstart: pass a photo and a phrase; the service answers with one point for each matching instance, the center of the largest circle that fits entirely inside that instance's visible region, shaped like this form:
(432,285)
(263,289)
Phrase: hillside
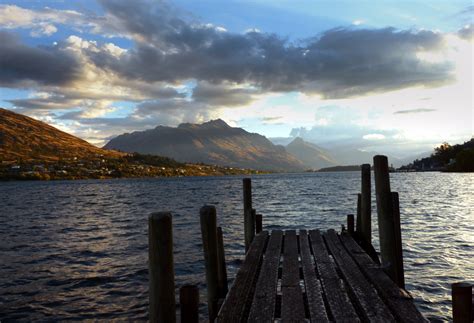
(24,138)
(213,142)
(446,157)
(311,155)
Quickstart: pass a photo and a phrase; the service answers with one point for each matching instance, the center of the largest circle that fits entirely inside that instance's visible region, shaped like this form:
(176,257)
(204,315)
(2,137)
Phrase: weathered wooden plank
(340,306)
(237,303)
(398,300)
(292,302)
(372,308)
(314,291)
(263,305)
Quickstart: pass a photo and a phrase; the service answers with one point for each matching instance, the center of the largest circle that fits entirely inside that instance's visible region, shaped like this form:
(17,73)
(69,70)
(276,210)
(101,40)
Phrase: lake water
(78,249)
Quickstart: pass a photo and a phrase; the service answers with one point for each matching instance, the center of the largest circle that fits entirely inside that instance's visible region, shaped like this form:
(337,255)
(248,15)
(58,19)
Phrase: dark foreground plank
(292,302)
(263,305)
(372,308)
(398,300)
(314,291)
(238,300)
(340,306)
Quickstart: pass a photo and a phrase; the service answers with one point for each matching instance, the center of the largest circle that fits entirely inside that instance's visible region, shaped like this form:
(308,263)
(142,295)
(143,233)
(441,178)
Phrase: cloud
(179,69)
(223,94)
(410,111)
(467,32)
(373,136)
(24,66)
(342,62)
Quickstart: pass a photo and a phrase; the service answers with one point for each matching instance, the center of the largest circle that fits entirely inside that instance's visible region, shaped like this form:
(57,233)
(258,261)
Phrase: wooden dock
(315,277)
(298,276)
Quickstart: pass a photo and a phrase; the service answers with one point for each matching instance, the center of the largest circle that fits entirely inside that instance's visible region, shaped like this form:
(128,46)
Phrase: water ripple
(78,250)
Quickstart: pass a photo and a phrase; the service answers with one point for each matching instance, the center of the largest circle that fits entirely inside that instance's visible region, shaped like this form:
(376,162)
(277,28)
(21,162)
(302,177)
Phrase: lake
(78,249)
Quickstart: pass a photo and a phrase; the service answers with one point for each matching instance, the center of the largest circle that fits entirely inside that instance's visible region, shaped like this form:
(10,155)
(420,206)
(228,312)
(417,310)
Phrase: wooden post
(358,219)
(461,294)
(221,266)
(398,242)
(366,205)
(350,223)
(258,223)
(386,222)
(189,303)
(209,243)
(161,268)
(249,226)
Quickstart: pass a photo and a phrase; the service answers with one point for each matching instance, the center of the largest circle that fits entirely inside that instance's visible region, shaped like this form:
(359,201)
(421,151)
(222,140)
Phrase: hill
(213,142)
(24,138)
(311,155)
(446,157)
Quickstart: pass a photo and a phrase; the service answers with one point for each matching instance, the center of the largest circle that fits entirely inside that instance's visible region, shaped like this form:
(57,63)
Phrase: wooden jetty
(298,275)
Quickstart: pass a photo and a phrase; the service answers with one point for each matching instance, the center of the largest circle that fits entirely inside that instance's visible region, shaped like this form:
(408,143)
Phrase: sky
(388,76)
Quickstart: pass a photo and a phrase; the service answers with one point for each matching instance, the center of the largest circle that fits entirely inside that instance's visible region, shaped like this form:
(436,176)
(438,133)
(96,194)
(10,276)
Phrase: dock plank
(292,302)
(263,305)
(340,306)
(398,300)
(238,300)
(371,306)
(314,291)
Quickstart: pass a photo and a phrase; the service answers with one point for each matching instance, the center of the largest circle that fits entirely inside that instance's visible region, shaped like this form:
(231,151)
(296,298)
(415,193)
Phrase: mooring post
(249,227)
(398,242)
(350,223)
(221,266)
(161,268)
(189,303)
(461,294)
(258,223)
(386,220)
(366,205)
(209,243)
(254,221)
(358,216)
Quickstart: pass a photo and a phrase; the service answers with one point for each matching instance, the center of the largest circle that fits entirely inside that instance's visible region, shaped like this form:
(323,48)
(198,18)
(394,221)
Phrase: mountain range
(213,142)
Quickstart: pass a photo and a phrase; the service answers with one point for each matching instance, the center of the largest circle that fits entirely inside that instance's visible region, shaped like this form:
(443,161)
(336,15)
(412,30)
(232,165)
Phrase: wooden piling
(365,205)
(161,268)
(358,216)
(222,283)
(350,223)
(258,223)
(461,294)
(398,243)
(249,226)
(386,223)
(189,303)
(209,243)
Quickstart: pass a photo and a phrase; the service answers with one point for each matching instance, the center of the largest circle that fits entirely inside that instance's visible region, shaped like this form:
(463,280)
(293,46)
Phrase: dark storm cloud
(339,63)
(410,111)
(20,64)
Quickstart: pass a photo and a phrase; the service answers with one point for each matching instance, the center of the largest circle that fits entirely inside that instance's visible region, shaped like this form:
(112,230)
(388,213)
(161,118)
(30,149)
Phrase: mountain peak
(214,124)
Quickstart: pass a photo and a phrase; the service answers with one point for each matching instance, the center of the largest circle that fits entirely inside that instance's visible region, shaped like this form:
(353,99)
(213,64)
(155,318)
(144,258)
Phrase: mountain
(213,142)
(24,138)
(311,155)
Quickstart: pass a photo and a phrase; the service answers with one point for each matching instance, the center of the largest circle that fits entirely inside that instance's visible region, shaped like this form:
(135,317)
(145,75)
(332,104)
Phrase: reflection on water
(78,250)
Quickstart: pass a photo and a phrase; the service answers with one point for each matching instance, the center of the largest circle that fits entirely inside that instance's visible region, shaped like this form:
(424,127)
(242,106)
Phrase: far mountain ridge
(213,142)
(312,156)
